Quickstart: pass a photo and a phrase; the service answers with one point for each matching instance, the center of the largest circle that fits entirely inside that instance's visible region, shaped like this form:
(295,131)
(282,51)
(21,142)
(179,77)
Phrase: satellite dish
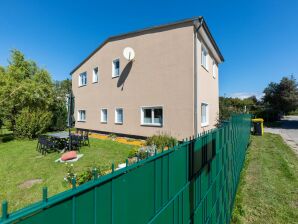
(128,53)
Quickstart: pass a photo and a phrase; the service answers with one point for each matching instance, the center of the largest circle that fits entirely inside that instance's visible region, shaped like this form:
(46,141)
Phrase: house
(170,86)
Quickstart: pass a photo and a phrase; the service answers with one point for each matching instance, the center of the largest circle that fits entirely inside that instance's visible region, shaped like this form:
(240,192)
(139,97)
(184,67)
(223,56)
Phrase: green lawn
(268,190)
(21,162)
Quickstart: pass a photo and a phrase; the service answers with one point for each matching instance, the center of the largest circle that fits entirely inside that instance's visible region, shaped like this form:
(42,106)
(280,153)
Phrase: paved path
(288,131)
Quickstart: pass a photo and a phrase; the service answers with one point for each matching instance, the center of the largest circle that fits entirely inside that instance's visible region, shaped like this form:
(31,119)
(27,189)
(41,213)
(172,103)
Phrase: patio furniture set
(62,141)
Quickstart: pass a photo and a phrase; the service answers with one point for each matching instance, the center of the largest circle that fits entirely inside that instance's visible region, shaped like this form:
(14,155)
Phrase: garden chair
(75,142)
(86,138)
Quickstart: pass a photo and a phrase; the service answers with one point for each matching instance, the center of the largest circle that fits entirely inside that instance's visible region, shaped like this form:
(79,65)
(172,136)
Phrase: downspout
(196,76)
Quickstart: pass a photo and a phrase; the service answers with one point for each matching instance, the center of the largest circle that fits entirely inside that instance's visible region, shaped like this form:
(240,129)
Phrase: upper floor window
(204,114)
(116,68)
(81,115)
(152,116)
(204,57)
(119,116)
(213,69)
(104,116)
(83,79)
(95,75)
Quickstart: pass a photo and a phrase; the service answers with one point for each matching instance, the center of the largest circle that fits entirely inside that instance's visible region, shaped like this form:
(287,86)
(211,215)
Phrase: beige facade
(162,75)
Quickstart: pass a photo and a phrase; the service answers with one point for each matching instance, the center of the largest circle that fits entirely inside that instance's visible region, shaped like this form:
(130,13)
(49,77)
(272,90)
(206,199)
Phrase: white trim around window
(204,114)
(95,75)
(204,57)
(104,115)
(213,68)
(152,116)
(82,115)
(83,79)
(116,68)
(119,116)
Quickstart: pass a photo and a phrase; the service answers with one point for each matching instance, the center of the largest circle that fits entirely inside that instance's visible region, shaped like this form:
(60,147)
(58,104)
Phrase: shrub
(161,141)
(112,136)
(133,153)
(81,177)
(30,124)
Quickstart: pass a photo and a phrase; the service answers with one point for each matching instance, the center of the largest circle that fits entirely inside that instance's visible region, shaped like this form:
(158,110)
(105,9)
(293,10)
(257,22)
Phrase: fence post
(44,194)
(94,173)
(74,183)
(4,210)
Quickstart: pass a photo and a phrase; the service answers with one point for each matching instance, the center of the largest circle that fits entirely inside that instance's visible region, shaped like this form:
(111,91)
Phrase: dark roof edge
(212,40)
(148,29)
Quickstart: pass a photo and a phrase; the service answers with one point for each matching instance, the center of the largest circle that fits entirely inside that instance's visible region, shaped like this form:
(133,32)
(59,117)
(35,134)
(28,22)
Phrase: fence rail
(193,182)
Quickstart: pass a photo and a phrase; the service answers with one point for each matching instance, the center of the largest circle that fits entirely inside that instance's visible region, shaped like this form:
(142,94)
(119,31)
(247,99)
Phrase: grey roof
(141,31)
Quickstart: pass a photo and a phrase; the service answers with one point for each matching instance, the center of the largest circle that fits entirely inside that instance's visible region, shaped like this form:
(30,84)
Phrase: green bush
(30,124)
(161,141)
(133,153)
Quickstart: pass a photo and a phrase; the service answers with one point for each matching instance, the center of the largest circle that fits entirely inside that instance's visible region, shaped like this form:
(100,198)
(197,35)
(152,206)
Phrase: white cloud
(243,95)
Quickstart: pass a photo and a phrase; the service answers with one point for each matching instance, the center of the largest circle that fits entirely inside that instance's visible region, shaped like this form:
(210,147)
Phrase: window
(116,68)
(204,114)
(204,57)
(119,116)
(152,116)
(213,69)
(81,115)
(104,115)
(95,75)
(83,79)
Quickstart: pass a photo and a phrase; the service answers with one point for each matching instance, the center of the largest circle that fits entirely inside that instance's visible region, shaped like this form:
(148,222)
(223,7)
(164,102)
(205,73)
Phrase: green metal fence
(194,182)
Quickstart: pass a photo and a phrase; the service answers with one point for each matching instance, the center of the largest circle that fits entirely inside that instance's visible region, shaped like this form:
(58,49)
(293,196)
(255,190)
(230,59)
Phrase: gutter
(200,20)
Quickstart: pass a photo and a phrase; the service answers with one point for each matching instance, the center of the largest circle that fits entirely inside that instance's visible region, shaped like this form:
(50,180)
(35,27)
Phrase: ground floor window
(152,116)
(119,116)
(81,115)
(104,115)
(204,114)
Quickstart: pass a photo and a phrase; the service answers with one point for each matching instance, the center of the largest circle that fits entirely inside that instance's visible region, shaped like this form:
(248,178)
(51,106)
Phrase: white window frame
(116,113)
(113,68)
(101,115)
(95,77)
(203,51)
(80,79)
(204,124)
(80,117)
(214,68)
(152,116)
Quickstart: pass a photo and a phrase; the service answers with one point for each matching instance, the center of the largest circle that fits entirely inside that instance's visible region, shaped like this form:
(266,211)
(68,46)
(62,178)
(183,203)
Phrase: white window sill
(153,125)
(103,122)
(115,76)
(118,122)
(94,82)
(204,125)
(82,85)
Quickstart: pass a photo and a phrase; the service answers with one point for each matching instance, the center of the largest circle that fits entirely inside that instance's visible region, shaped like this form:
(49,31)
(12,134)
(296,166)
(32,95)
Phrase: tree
(30,102)
(282,97)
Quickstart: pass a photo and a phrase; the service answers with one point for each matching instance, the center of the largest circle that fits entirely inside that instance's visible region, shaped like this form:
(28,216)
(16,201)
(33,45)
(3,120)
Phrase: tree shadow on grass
(6,137)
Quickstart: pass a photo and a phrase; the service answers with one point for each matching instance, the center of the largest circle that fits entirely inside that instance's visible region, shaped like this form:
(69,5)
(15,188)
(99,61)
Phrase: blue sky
(259,39)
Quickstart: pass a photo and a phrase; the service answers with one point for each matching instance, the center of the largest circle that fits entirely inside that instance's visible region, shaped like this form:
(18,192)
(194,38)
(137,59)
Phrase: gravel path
(288,131)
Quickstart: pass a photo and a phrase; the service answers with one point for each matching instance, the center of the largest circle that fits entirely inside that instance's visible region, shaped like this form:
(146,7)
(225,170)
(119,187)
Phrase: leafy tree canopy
(282,96)
(27,87)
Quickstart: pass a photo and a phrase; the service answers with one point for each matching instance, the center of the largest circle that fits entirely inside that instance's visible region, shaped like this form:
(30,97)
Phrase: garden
(24,170)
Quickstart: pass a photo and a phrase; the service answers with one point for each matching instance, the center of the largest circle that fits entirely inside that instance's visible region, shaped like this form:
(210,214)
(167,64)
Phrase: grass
(21,162)
(268,189)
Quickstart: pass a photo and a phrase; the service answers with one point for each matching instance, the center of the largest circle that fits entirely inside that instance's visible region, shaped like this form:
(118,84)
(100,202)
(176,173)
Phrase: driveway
(288,131)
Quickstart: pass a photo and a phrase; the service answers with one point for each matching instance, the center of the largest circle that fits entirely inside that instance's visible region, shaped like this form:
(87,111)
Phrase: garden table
(60,139)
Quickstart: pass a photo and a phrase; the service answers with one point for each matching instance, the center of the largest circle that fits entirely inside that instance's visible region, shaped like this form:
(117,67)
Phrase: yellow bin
(258,126)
